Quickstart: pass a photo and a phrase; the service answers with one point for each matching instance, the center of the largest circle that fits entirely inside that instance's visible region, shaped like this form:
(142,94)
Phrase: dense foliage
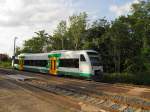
(124,43)
(4,57)
(5,61)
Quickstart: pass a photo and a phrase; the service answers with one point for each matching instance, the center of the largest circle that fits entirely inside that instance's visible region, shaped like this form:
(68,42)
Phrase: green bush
(6,64)
(134,65)
(147,65)
(137,78)
(142,78)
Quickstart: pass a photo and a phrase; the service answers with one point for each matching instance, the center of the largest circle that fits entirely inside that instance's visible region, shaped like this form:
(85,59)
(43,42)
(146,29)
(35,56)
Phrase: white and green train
(82,63)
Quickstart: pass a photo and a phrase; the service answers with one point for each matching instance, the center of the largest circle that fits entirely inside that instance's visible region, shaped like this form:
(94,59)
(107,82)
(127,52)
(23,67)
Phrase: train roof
(62,51)
(26,55)
(57,51)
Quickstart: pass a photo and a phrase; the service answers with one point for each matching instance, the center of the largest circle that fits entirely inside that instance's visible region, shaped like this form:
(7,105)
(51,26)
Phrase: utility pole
(14,50)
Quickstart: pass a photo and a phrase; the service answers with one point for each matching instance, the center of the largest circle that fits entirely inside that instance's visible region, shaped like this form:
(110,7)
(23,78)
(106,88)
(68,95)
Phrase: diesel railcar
(81,63)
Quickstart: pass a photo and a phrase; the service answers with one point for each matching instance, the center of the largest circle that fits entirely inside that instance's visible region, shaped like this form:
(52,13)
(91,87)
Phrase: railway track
(85,95)
(103,100)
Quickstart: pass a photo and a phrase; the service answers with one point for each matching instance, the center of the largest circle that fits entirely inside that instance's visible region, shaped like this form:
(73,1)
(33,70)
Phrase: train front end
(90,65)
(96,67)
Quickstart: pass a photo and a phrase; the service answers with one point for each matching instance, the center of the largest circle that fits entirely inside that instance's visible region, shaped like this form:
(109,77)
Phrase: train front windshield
(95,61)
(94,58)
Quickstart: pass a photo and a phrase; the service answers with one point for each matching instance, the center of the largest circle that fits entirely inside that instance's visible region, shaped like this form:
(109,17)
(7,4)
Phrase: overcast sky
(21,18)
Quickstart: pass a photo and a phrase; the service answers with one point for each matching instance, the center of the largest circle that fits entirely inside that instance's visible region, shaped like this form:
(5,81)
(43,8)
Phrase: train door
(21,63)
(53,65)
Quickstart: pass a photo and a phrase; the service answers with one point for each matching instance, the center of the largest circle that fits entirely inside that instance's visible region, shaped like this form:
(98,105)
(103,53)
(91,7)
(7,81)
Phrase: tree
(93,35)
(70,37)
(77,26)
(59,36)
(18,50)
(4,57)
(37,43)
(141,13)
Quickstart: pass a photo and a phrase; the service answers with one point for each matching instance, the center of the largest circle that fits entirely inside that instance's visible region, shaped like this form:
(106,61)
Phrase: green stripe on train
(54,55)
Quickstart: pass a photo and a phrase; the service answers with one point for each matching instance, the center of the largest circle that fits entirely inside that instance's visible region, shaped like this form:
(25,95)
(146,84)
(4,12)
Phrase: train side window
(26,62)
(82,58)
(70,63)
(38,63)
(76,63)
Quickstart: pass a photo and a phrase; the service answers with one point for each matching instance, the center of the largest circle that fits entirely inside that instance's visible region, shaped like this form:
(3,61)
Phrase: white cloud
(22,18)
(123,9)
(23,12)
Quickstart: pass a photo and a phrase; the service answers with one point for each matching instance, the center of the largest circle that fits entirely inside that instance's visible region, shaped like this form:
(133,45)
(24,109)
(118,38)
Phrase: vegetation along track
(86,95)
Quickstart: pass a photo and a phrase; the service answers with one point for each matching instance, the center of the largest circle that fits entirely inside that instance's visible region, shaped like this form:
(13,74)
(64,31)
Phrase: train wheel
(98,76)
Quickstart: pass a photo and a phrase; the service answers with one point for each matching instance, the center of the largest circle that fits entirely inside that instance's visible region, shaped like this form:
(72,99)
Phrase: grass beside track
(128,78)
(6,64)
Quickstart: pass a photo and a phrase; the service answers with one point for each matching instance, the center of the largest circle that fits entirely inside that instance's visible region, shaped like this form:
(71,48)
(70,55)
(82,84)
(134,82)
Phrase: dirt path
(14,98)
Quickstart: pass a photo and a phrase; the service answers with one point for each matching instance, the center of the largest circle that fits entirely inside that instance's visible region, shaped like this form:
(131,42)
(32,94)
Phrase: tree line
(124,44)
(4,57)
